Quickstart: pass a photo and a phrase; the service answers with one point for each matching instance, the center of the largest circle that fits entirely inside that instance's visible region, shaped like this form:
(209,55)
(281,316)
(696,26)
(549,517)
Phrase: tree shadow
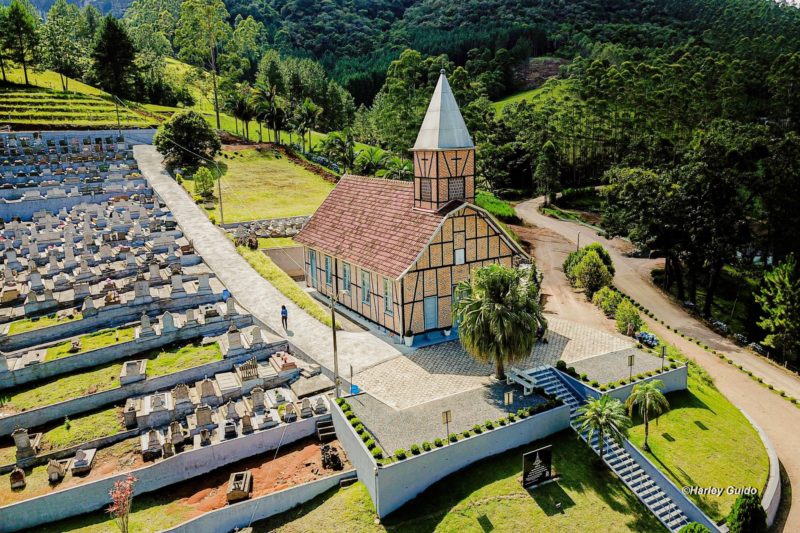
(551,498)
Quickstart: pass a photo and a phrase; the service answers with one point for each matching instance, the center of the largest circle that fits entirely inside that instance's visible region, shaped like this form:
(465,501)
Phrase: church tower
(444,155)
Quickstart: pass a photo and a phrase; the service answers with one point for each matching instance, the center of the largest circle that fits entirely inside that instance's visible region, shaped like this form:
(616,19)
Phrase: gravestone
(203,286)
(203,415)
(57,469)
(17,478)
(205,437)
(145,329)
(167,323)
(177,288)
(305,409)
(257,398)
(27,445)
(319,406)
(289,414)
(230,308)
(247,424)
(176,435)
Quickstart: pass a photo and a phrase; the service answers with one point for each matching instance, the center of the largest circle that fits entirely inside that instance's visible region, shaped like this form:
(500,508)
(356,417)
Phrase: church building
(394,251)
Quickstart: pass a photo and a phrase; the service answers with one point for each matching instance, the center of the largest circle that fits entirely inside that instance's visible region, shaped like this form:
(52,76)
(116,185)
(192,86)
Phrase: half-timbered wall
(441,176)
(372,306)
(435,273)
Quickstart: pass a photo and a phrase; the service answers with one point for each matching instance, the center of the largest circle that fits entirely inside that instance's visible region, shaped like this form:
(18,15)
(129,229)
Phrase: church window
(459,256)
(425,190)
(364,287)
(328,272)
(455,189)
(387,297)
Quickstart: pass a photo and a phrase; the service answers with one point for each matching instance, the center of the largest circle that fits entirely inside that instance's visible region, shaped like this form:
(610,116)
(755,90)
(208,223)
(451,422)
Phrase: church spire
(443,127)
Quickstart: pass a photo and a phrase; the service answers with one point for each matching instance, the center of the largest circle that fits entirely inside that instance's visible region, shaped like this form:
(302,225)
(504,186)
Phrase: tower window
(425,190)
(455,189)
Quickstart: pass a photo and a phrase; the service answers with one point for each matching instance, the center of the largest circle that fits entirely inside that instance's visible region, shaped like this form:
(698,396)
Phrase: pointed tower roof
(443,127)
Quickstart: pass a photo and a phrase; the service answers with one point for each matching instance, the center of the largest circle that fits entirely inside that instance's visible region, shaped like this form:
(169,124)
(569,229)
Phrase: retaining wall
(675,379)
(71,363)
(106,317)
(242,514)
(57,411)
(393,485)
(771,495)
(93,495)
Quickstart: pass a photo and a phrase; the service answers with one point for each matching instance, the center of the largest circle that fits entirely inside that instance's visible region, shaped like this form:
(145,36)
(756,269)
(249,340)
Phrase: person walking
(285,317)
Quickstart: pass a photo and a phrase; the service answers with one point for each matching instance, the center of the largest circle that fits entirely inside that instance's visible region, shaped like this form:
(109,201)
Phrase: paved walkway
(776,416)
(254,293)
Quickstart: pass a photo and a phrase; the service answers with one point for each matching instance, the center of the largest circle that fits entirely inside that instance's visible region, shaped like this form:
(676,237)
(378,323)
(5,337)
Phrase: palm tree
(307,115)
(605,416)
(340,147)
(650,401)
(371,160)
(498,315)
(397,169)
(238,104)
(263,101)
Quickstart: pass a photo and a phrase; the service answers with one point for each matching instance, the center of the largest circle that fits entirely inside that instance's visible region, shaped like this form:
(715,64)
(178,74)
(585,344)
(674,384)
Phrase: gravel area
(395,429)
(614,366)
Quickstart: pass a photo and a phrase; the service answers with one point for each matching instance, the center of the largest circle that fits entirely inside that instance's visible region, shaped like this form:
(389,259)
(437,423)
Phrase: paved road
(777,417)
(360,349)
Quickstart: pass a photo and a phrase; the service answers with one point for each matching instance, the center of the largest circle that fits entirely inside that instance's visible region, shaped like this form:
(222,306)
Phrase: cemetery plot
(90,341)
(295,464)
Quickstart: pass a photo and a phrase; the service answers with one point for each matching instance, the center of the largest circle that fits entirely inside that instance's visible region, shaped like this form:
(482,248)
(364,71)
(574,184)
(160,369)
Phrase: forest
(687,112)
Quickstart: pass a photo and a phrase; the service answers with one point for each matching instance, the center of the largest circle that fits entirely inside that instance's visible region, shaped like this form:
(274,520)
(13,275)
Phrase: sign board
(630,359)
(537,466)
(447,417)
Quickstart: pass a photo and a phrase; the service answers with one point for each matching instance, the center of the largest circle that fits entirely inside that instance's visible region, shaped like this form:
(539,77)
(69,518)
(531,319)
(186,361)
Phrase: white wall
(91,496)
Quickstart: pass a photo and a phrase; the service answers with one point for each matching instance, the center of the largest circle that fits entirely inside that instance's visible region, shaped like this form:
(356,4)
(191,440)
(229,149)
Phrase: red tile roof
(371,223)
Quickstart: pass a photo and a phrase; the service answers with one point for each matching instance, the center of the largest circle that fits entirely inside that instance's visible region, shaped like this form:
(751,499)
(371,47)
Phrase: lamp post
(579,241)
(334,300)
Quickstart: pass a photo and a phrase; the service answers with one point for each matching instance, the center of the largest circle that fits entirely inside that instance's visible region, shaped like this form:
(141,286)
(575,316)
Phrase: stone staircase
(616,457)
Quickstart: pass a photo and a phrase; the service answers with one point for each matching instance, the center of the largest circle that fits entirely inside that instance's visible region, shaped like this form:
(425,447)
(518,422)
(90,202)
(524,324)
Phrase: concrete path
(776,416)
(254,293)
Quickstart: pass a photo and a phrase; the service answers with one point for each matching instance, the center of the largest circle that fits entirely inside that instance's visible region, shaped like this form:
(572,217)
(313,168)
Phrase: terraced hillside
(38,107)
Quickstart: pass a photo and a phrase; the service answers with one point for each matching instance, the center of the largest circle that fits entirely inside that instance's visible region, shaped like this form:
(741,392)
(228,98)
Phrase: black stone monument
(537,467)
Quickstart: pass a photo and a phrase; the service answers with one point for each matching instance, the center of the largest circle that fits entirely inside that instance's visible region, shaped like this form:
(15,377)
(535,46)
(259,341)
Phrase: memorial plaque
(537,466)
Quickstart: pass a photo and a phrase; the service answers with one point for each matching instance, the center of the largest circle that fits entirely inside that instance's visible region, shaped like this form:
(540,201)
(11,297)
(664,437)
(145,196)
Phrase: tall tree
(606,417)
(60,45)
(3,19)
(648,399)
(186,140)
(499,315)
(112,58)
(779,299)
(545,176)
(19,34)
(202,33)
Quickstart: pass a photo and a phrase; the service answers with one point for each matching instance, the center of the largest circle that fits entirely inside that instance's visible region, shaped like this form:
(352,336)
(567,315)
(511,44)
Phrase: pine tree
(112,58)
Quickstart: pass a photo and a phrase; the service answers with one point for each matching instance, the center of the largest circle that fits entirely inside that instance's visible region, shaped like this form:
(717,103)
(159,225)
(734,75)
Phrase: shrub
(522,413)
(477,429)
(747,515)
(512,417)
(365,436)
(501,421)
(694,527)
(349,415)
(186,138)
(400,453)
(489,424)
(415,449)
(67,423)
(453,437)
(673,365)
(561,365)
(204,182)
(425,446)
(360,429)
(501,209)
(571,371)
(465,433)
(377,453)
(340,401)
(627,318)
(355,421)
(591,274)
(370,443)
(607,299)
(595,383)
(438,442)
(584,377)
(603,388)
(213,219)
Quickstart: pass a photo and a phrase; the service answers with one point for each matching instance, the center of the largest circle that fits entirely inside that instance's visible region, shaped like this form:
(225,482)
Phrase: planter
(408,341)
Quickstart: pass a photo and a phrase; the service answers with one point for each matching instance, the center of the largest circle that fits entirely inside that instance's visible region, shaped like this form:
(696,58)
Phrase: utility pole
(219,193)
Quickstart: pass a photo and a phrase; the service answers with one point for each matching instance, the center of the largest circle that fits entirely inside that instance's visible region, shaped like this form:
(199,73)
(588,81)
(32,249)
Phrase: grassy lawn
(281,281)
(81,429)
(704,441)
(92,341)
(50,80)
(553,91)
(487,496)
(259,184)
(106,377)
(30,324)
(275,242)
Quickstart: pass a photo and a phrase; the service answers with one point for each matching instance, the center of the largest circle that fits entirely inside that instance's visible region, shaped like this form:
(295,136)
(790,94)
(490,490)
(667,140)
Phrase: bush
(747,515)
(627,318)
(355,421)
(340,402)
(370,444)
(204,183)
(607,299)
(694,527)
(522,413)
(349,415)
(512,417)
(591,274)
(377,453)
(595,383)
(573,259)
(415,449)
(489,424)
(425,446)
(359,429)
(561,365)
(477,429)
(501,421)
(465,433)
(365,436)
(584,377)
(453,437)
(438,442)
(185,138)
(400,453)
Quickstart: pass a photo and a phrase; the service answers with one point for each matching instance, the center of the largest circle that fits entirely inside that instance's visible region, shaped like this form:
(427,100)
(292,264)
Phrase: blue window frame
(328,272)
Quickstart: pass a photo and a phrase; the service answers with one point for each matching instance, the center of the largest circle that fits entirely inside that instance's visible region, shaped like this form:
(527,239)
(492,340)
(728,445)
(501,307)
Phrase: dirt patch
(533,72)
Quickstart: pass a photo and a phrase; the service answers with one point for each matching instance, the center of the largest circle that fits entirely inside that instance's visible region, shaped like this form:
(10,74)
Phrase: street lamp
(334,300)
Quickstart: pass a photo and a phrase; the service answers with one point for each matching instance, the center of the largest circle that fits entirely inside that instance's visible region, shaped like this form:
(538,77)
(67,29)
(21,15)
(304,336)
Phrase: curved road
(776,416)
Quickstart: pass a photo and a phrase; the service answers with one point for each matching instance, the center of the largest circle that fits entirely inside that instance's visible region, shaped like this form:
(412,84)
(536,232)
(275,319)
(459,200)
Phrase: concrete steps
(616,457)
